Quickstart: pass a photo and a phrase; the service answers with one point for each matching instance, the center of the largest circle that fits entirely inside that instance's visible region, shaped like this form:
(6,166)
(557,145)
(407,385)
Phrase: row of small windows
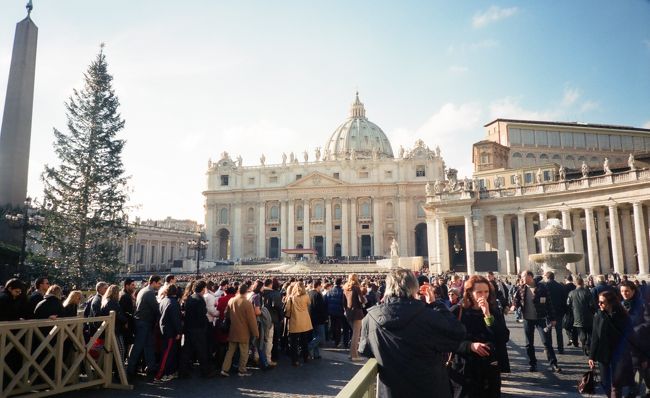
(569,160)
(568,139)
(317,212)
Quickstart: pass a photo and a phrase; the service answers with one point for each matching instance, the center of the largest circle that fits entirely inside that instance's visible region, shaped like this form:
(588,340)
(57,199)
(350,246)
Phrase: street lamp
(198,245)
(25,222)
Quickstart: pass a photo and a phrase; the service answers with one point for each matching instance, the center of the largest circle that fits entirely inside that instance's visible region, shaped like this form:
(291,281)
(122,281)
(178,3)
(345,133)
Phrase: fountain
(555,259)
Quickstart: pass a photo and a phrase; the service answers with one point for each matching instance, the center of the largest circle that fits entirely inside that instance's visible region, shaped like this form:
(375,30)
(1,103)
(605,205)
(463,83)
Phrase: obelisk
(16,129)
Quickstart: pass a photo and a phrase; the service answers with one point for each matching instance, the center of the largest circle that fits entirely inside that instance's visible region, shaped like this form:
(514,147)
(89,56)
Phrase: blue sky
(251,77)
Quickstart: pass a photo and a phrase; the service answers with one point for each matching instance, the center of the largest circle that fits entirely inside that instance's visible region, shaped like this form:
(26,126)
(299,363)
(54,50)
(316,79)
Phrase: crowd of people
(444,333)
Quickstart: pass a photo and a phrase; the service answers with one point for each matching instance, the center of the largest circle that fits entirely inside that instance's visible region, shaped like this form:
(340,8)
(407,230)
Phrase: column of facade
(629,260)
(354,239)
(510,247)
(261,231)
(568,242)
(329,240)
(522,252)
(377,236)
(480,232)
(501,244)
(403,232)
(640,237)
(578,243)
(530,235)
(445,261)
(306,223)
(283,227)
(437,246)
(236,232)
(592,242)
(345,229)
(617,247)
(469,244)
(542,224)
(291,225)
(603,244)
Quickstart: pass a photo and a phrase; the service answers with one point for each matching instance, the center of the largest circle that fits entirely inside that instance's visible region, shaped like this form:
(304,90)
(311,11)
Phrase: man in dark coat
(12,301)
(559,295)
(318,314)
(127,304)
(581,307)
(40,287)
(146,315)
(389,330)
(537,309)
(196,325)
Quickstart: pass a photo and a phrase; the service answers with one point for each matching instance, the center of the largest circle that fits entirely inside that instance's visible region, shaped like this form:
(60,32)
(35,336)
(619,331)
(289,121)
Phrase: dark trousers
(299,340)
(195,346)
(169,360)
(558,332)
(584,334)
(340,329)
(277,335)
(144,343)
(529,331)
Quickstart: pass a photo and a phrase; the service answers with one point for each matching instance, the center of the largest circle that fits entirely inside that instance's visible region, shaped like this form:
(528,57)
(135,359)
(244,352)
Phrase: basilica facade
(350,200)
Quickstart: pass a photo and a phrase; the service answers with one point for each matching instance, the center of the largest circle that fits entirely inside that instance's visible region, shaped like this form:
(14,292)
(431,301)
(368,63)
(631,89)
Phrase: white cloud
(509,108)
(454,128)
(571,95)
(646,125)
(458,69)
(492,14)
(588,106)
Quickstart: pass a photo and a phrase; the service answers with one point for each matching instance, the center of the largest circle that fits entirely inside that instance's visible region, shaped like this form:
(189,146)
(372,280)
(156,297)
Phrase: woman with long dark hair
(353,300)
(477,365)
(610,345)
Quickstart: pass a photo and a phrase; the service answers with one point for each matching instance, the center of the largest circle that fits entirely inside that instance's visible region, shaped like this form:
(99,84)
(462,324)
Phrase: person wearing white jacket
(212,314)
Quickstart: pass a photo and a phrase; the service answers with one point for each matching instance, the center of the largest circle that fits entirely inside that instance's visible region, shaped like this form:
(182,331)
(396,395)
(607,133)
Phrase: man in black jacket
(318,314)
(537,309)
(196,325)
(559,295)
(408,369)
(127,303)
(40,287)
(146,315)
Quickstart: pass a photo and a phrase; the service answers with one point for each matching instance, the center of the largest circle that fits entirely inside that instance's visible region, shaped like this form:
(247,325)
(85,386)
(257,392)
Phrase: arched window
(543,156)
(223,216)
(516,155)
(318,211)
(365,210)
(337,212)
(421,209)
(274,214)
(389,210)
(299,213)
(251,215)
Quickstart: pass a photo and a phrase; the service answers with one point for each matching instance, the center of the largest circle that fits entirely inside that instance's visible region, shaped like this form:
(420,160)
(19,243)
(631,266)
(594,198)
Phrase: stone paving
(325,377)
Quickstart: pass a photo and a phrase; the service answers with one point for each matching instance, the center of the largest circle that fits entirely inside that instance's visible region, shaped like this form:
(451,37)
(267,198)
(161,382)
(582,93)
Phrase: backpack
(265,318)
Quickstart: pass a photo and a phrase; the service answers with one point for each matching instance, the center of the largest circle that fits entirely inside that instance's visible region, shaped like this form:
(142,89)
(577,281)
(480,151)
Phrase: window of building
(130,255)
(141,256)
(274,213)
(628,143)
(299,213)
(557,157)
(337,212)
(153,254)
(420,206)
(274,229)
(365,210)
(388,174)
(223,216)
(224,180)
(318,211)
(162,253)
(363,174)
(566,140)
(512,179)
(250,215)
(603,142)
(554,138)
(298,176)
(579,140)
(527,137)
(251,180)
(541,138)
(548,176)
(591,141)
(514,136)
(171,253)
(485,158)
(390,210)
(420,171)
(299,228)
(528,178)
(337,176)
(615,142)
(273,179)
(337,227)
(365,226)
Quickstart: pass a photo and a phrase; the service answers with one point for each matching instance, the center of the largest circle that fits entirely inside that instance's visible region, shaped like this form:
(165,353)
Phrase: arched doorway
(274,248)
(223,245)
(421,247)
(337,250)
(366,246)
(318,245)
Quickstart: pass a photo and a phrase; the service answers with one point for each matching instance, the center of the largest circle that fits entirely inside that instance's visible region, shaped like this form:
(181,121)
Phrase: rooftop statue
(606,168)
(401,152)
(562,173)
(262,159)
(538,176)
(317,154)
(631,162)
(284,159)
(305,155)
(239,160)
(584,169)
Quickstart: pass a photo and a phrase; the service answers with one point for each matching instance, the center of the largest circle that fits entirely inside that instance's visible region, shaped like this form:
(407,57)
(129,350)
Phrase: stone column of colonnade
(603,244)
(522,252)
(568,242)
(329,244)
(306,223)
(283,227)
(261,232)
(469,244)
(432,245)
(345,229)
(377,238)
(641,237)
(501,244)
(592,243)
(578,243)
(617,248)
(543,244)
(629,258)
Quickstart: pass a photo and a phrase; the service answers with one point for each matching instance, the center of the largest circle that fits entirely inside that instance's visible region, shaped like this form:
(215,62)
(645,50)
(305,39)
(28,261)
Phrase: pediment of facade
(316,179)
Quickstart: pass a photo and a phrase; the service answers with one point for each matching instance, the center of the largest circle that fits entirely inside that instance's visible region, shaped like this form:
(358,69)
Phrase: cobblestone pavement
(325,377)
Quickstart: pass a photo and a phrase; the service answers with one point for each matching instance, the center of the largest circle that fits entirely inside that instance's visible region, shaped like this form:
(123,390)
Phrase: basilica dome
(358,138)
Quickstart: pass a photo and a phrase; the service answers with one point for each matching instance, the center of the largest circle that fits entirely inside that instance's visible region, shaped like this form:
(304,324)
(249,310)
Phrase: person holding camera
(537,309)
(477,364)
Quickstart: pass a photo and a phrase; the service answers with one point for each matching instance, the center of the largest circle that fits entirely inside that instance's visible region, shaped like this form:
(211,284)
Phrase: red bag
(96,349)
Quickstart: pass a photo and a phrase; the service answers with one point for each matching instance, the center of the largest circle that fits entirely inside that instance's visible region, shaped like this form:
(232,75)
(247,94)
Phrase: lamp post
(24,221)
(198,245)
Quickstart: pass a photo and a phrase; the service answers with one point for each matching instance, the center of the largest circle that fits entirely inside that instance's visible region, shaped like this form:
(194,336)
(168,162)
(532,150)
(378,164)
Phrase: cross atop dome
(357,111)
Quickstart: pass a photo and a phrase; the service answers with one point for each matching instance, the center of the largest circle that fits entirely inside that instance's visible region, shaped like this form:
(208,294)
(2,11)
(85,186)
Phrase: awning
(299,251)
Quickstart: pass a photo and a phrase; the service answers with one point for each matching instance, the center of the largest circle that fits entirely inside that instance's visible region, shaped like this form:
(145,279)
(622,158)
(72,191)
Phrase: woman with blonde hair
(353,300)
(50,307)
(71,303)
(111,302)
(300,326)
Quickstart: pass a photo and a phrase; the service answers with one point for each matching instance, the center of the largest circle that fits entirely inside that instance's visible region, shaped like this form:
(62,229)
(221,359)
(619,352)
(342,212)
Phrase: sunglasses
(602,303)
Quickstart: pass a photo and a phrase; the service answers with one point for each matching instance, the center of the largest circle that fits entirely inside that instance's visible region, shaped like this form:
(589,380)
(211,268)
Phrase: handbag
(587,383)
(287,308)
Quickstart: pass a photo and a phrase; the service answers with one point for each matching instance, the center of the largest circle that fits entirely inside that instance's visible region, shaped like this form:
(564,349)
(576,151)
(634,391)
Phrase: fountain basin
(555,258)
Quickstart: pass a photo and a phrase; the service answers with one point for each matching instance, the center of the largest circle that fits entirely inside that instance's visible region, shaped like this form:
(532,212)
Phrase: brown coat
(243,323)
(298,311)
